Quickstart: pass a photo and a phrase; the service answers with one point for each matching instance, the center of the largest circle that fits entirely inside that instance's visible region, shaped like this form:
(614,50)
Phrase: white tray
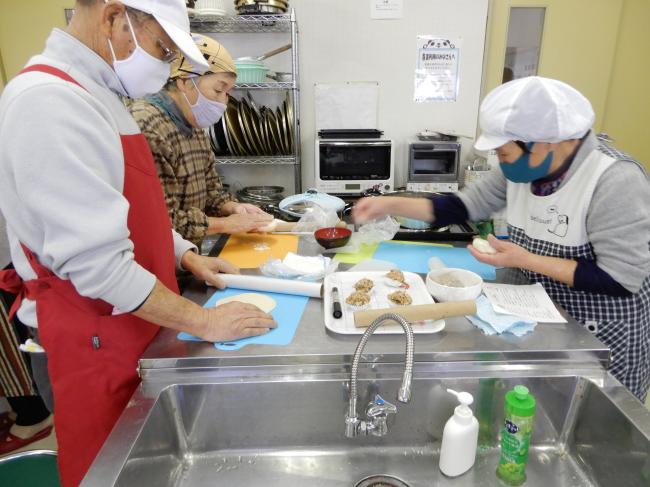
(344,281)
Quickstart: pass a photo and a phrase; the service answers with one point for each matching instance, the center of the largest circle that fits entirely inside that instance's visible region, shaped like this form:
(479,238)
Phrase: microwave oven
(351,166)
(433,166)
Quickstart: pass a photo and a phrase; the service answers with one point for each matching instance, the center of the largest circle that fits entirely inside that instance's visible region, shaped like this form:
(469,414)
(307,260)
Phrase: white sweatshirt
(5,256)
(62,175)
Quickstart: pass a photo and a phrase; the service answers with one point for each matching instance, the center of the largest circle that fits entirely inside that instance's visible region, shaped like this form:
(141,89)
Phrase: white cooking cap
(533,109)
(172,17)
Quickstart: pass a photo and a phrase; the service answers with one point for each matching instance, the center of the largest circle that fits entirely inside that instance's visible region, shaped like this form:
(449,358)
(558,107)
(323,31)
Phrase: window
(525,28)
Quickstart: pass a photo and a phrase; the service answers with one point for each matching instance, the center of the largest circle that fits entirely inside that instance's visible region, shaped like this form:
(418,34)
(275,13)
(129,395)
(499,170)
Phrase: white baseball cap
(533,109)
(172,17)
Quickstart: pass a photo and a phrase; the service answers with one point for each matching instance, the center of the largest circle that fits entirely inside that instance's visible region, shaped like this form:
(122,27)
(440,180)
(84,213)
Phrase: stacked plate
(248,130)
(261,7)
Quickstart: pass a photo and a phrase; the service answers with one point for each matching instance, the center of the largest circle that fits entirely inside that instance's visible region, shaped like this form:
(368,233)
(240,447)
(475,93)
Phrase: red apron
(92,355)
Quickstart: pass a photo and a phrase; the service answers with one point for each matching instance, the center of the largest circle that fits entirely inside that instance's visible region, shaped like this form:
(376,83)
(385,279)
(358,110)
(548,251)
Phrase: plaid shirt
(185,164)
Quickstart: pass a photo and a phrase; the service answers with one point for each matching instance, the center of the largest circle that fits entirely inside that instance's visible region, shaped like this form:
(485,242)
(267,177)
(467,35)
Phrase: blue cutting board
(287,314)
(415,258)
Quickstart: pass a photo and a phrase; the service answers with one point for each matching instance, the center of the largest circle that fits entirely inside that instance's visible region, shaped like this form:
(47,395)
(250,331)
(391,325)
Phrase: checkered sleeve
(164,140)
(217,194)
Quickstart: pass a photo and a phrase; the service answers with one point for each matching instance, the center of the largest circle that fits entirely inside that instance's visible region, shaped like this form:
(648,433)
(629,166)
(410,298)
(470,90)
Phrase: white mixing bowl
(439,284)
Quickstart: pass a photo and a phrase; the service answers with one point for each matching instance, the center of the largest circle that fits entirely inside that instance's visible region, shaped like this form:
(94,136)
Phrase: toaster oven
(433,166)
(351,166)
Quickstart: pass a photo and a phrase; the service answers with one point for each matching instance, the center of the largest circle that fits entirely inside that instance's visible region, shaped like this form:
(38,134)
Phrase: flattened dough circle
(263,302)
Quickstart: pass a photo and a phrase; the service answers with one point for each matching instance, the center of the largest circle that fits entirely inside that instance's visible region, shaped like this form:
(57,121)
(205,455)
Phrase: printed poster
(437,69)
(386,9)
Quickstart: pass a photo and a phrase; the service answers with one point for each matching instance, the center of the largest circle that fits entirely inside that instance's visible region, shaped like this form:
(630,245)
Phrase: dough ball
(358,298)
(262,301)
(396,275)
(400,297)
(364,285)
(483,246)
(270,227)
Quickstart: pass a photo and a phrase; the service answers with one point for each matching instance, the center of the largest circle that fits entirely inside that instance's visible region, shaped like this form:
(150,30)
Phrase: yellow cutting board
(254,249)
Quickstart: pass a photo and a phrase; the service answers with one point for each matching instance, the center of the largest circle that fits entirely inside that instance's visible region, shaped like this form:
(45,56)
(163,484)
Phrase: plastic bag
(317,217)
(299,267)
(371,233)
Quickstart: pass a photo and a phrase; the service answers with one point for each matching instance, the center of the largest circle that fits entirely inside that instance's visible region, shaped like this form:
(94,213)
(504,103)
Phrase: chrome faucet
(378,410)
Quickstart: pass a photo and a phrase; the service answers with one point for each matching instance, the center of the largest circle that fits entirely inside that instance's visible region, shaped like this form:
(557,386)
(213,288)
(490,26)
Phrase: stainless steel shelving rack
(263,24)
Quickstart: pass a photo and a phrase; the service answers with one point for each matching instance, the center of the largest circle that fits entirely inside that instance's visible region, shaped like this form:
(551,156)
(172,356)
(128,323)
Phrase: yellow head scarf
(217,57)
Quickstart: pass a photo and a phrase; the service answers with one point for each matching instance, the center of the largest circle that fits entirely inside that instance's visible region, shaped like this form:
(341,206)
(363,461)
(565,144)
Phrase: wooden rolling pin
(417,312)
(282,226)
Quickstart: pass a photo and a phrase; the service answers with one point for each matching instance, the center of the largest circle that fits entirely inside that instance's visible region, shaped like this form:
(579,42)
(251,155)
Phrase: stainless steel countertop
(314,344)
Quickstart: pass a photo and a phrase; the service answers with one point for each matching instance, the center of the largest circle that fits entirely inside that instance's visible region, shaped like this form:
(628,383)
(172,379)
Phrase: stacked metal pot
(261,7)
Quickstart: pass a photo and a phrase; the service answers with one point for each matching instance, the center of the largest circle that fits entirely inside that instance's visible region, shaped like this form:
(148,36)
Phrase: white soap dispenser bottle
(459,438)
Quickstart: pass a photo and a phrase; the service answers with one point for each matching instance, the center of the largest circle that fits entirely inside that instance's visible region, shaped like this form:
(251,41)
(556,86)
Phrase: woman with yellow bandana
(173,122)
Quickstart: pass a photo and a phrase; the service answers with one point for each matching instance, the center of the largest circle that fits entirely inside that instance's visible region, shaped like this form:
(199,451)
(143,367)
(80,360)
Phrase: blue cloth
(493,323)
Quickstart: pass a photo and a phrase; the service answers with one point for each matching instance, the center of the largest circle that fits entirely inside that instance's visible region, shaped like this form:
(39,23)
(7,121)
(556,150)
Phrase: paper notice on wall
(386,9)
(528,301)
(351,105)
(437,69)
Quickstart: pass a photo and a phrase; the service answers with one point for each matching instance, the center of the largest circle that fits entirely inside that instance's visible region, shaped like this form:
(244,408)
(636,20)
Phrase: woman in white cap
(90,237)
(577,213)
(173,121)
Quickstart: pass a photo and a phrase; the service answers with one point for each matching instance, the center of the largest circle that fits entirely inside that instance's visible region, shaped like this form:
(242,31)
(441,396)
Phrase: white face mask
(141,74)
(206,112)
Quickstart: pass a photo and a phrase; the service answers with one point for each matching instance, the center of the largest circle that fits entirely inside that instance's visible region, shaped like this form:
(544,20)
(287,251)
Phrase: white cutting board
(344,281)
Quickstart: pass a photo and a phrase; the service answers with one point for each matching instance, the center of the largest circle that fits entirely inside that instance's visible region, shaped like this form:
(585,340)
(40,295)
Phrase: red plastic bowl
(332,237)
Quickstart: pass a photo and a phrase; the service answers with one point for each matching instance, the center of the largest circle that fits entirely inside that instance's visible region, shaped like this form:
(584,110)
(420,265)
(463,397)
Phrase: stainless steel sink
(286,428)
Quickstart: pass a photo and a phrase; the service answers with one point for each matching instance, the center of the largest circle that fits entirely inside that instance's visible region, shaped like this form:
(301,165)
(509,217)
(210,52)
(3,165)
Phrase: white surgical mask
(206,112)
(141,74)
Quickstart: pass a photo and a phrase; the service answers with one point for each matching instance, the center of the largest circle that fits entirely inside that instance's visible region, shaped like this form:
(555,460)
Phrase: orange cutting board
(254,249)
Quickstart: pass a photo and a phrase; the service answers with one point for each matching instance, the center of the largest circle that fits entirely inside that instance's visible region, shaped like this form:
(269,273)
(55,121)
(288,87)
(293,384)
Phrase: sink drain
(381,481)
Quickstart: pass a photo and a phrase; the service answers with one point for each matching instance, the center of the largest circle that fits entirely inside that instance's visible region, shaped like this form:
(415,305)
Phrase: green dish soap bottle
(515,435)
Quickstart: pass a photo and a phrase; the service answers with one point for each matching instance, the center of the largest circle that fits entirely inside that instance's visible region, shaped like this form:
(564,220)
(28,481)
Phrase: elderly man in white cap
(577,214)
(90,237)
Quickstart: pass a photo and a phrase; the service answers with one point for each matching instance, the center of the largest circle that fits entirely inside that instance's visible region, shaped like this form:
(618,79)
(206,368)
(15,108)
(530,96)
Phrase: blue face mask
(520,171)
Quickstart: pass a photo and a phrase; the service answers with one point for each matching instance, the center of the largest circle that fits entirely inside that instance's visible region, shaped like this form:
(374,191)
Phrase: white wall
(339,42)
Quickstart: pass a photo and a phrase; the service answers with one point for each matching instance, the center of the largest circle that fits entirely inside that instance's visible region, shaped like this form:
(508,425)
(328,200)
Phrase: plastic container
(517,429)
(251,71)
(459,438)
(210,7)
